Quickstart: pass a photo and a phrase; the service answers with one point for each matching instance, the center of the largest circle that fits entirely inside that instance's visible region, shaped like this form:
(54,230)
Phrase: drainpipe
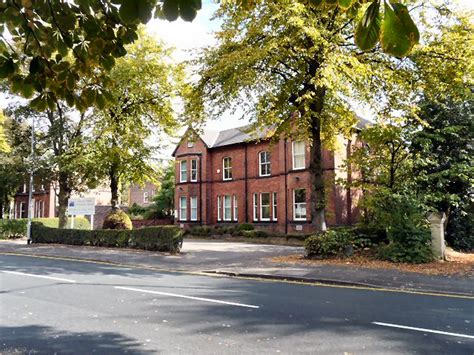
(200,189)
(286,188)
(246,187)
(349,181)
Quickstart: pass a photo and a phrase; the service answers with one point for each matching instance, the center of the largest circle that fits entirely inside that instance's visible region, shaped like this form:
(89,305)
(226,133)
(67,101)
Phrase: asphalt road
(54,306)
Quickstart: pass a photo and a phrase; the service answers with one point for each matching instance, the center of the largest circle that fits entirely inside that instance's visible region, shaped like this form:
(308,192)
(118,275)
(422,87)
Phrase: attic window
(190,144)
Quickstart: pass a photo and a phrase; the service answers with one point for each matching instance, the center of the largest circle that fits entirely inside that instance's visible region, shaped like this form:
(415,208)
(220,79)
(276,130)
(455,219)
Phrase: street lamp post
(30,187)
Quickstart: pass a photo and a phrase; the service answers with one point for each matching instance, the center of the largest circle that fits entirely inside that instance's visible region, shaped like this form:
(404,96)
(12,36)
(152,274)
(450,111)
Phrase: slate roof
(214,139)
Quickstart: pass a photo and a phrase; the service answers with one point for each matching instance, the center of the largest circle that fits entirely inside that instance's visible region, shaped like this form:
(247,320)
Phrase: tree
(163,206)
(287,64)
(61,150)
(55,44)
(144,86)
(4,146)
(444,163)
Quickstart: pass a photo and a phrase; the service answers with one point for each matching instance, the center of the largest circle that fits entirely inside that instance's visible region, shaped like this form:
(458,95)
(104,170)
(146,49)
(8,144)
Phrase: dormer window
(264,163)
(227,168)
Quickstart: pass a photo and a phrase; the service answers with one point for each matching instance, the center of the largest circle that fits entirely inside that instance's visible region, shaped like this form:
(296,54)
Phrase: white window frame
(21,209)
(293,155)
(236,208)
(218,208)
(299,203)
(227,208)
(181,171)
(145,197)
(194,170)
(183,208)
(226,169)
(190,144)
(24,188)
(269,206)
(194,208)
(266,163)
(255,207)
(274,207)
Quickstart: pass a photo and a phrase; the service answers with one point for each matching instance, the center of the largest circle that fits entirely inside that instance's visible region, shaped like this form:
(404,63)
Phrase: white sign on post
(81,206)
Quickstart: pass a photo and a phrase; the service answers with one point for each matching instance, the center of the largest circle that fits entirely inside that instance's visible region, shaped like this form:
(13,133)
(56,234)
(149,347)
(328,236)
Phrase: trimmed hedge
(16,228)
(160,238)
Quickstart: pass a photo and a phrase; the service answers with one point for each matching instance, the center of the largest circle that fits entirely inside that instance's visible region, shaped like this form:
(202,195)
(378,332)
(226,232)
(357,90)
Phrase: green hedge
(159,238)
(16,228)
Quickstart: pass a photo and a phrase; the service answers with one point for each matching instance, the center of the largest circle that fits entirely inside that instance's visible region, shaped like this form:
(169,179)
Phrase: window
(39,207)
(236,211)
(42,187)
(194,209)
(24,188)
(182,209)
(145,197)
(264,160)
(227,168)
(298,155)
(194,170)
(255,207)
(23,213)
(183,168)
(265,206)
(218,208)
(274,206)
(190,144)
(227,208)
(299,207)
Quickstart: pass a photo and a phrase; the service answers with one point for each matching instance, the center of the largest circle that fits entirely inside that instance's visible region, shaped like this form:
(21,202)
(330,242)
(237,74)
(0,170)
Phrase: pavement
(251,260)
(62,306)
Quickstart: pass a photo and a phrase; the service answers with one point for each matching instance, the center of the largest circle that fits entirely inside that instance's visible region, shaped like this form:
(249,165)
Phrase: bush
(459,232)
(117,219)
(403,216)
(245,227)
(333,242)
(136,210)
(16,228)
(255,234)
(159,238)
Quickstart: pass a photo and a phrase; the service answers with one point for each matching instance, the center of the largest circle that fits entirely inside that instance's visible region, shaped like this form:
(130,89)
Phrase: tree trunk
(114,185)
(316,168)
(63,197)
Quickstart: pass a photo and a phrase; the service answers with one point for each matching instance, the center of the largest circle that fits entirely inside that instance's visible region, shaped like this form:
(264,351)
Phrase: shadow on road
(35,339)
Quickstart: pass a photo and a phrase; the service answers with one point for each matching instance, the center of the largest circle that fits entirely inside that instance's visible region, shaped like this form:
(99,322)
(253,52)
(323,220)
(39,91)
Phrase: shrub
(255,234)
(16,228)
(136,210)
(158,238)
(459,232)
(333,242)
(408,234)
(202,231)
(117,219)
(245,227)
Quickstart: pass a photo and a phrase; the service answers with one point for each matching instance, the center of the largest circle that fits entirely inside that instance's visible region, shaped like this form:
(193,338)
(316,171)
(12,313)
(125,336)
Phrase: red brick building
(231,177)
(44,201)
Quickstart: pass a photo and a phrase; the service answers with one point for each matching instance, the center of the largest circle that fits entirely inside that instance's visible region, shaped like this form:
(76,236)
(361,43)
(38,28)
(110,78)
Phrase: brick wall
(246,181)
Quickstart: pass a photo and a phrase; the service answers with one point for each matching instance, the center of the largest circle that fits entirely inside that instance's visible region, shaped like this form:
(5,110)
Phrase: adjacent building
(234,176)
(142,195)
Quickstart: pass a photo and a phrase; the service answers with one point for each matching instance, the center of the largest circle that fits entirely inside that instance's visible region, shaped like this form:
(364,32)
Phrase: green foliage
(145,83)
(16,228)
(245,227)
(403,216)
(117,219)
(329,243)
(162,238)
(460,229)
(55,45)
(136,210)
(163,206)
(255,234)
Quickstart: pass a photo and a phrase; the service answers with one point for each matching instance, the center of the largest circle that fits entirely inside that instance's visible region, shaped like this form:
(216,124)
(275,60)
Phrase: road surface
(56,306)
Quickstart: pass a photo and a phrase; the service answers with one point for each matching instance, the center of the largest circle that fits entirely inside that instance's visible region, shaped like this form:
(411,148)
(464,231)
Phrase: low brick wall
(140,223)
